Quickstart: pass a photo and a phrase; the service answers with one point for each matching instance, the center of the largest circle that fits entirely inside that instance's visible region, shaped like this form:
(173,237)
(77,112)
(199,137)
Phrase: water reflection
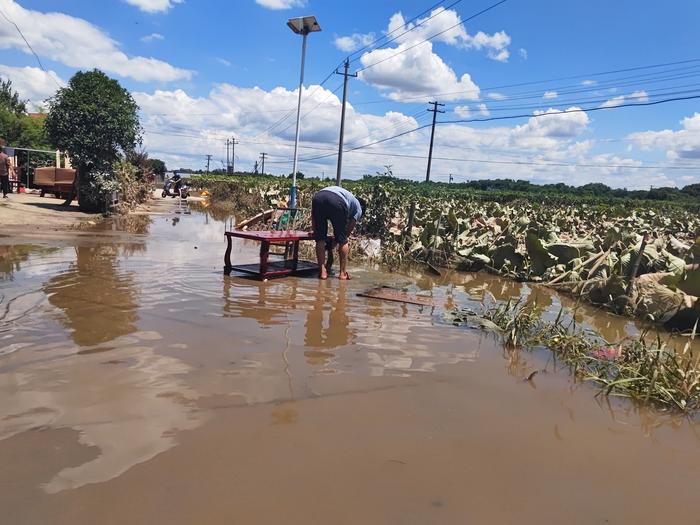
(336,331)
(129,408)
(13,257)
(98,299)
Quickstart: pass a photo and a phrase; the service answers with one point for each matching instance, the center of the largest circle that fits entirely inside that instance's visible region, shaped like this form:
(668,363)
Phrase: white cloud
(550,95)
(613,102)
(496,96)
(484,110)
(462,111)
(589,83)
(152,37)
(637,96)
(223,61)
(281,4)
(186,127)
(523,53)
(547,129)
(348,44)
(154,6)
(679,145)
(416,73)
(32,83)
(446,24)
(77,43)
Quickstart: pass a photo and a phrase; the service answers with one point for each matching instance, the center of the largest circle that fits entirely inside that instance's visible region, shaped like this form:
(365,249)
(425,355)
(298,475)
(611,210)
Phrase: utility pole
(451,178)
(208,161)
(256,167)
(228,161)
(342,119)
(263,156)
(434,111)
(233,155)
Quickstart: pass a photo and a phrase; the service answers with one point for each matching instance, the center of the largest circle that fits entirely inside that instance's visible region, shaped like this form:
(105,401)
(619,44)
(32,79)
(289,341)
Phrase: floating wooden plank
(392,294)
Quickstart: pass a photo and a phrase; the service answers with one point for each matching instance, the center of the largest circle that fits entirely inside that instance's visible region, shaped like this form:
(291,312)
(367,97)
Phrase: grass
(644,369)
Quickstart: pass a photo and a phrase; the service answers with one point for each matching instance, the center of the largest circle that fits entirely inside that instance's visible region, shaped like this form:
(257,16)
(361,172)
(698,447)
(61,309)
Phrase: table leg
(295,256)
(227,257)
(264,255)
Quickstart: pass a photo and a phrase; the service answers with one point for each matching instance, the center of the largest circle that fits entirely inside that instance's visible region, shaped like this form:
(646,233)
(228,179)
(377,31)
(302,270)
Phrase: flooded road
(140,385)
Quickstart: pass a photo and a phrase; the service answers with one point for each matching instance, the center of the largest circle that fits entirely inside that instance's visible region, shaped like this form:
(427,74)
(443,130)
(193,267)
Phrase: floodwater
(140,385)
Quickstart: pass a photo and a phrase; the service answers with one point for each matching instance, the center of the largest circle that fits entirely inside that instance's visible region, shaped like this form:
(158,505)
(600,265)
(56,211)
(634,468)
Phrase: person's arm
(351,226)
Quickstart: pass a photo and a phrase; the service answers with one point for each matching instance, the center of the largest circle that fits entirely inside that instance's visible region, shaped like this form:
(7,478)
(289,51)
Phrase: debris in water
(391,294)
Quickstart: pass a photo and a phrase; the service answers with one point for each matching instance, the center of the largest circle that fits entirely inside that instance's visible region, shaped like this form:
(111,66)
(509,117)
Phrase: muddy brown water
(140,385)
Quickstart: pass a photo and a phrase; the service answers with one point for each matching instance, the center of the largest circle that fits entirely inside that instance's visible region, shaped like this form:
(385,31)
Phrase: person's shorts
(328,206)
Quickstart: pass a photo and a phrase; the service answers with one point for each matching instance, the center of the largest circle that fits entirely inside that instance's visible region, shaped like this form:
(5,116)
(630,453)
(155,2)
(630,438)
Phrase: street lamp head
(304,25)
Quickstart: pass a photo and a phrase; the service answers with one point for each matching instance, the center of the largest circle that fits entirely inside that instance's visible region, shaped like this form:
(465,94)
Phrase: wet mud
(138,384)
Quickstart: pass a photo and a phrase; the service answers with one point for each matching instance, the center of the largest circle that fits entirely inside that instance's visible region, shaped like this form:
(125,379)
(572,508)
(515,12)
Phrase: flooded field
(140,385)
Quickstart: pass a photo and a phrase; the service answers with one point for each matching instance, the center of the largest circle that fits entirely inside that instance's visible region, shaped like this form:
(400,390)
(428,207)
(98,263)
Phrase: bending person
(343,210)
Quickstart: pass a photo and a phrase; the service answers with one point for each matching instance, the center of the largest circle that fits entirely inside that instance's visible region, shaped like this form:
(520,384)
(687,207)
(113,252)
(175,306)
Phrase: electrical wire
(413,28)
(30,48)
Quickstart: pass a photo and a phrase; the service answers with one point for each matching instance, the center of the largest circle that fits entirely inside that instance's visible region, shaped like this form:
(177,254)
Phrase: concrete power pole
(228,160)
(342,119)
(233,155)
(208,161)
(263,156)
(434,111)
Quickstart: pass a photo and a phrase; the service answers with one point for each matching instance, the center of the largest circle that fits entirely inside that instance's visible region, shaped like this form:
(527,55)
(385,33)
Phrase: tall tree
(9,98)
(158,167)
(96,121)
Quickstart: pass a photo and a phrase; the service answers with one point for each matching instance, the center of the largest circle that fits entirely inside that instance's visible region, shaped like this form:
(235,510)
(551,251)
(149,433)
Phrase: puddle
(137,383)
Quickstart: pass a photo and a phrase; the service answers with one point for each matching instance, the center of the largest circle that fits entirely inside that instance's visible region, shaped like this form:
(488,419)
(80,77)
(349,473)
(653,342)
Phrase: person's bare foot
(344,276)
(323,274)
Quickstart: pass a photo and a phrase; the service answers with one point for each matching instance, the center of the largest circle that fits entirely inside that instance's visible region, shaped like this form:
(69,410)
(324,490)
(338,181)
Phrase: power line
(30,47)
(507,117)
(536,82)
(493,6)
(408,30)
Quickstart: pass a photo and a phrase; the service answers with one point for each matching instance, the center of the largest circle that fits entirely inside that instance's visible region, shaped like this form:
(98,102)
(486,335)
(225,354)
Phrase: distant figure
(6,168)
(344,210)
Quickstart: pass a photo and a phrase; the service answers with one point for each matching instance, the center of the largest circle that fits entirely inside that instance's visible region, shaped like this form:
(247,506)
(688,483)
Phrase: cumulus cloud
(180,127)
(281,4)
(152,37)
(32,83)
(679,145)
(154,6)
(637,96)
(416,73)
(550,94)
(523,53)
(462,111)
(546,129)
(412,68)
(77,43)
(484,110)
(348,44)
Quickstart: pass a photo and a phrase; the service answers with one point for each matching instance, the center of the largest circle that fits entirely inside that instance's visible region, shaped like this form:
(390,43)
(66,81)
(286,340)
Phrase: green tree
(96,121)
(9,98)
(157,167)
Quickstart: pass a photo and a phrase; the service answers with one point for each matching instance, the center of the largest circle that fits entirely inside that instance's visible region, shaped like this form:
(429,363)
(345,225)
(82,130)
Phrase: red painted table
(266,269)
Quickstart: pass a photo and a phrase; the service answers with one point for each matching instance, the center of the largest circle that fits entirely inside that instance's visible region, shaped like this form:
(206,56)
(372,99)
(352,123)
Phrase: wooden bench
(266,268)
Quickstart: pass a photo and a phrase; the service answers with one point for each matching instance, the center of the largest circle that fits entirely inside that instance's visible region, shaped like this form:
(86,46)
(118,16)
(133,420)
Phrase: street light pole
(293,196)
(301,26)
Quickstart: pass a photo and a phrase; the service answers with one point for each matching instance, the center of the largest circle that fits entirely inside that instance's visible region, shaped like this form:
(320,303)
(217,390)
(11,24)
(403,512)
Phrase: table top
(272,235)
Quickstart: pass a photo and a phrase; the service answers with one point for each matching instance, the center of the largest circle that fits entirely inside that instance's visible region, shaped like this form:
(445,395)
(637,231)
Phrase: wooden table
(266,269)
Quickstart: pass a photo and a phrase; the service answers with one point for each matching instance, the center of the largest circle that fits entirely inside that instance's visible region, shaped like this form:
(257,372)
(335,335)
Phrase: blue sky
(205,70)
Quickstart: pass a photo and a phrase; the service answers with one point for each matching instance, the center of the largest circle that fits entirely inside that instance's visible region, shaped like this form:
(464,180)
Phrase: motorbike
(175,188)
